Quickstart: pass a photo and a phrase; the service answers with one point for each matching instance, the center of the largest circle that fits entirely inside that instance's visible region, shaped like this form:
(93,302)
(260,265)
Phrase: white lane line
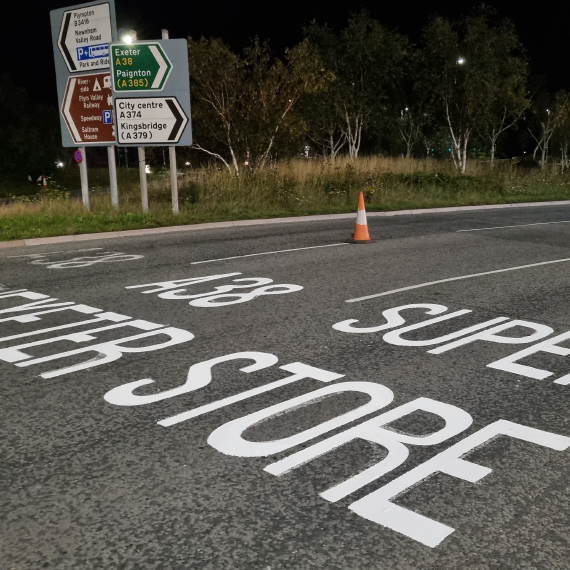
(455,279)
(267,253)
(519,226)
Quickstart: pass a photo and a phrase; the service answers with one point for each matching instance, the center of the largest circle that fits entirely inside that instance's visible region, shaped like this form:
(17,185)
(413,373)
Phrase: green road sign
(139,67)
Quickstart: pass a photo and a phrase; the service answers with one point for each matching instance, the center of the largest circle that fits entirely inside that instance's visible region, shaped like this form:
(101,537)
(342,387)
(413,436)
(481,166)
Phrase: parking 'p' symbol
(107,117)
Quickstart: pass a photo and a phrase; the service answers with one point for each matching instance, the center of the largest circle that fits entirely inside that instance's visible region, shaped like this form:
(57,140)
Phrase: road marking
(55,252)
(454,279)
(518,226)
(83,261)
(267,253)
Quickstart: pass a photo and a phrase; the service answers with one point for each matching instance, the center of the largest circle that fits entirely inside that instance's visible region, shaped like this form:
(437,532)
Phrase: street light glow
(127,39)
(460,60)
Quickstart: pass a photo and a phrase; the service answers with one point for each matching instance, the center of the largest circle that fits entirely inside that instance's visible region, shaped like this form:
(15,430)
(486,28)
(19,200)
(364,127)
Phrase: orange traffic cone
(361,234)
(44,182)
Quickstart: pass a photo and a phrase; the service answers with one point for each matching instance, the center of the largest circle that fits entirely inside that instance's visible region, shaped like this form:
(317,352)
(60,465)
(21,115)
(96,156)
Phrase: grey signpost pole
(142,172)
(83,175)
(142,158)
(172,157)
(151,99)
(81,36)
(113,176)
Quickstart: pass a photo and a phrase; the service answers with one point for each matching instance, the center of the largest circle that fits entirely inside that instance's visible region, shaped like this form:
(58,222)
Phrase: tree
(31,140)
(216,93)
(474,74)
(549,112)
(508,94)
(411,111)
(367,62)
(245,104)
(562,138)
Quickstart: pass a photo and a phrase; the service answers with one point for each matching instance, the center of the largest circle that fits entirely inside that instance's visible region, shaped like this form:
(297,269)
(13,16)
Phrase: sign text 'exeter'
(139,67)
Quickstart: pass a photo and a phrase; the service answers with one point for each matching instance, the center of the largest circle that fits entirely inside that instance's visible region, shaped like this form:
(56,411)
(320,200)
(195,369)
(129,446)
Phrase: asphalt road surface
(162,407)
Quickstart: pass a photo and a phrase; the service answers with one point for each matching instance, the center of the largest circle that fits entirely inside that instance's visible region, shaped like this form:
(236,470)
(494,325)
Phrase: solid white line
(455,279)
(519,226)
(267,253)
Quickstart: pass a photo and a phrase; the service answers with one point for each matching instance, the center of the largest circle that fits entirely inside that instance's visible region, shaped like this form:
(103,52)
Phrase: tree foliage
(245,105)
(353,90)
(30,141)
(476,77)
(367,61)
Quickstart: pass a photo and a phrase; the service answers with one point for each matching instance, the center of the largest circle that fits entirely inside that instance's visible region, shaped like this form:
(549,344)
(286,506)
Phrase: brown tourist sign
(88,109)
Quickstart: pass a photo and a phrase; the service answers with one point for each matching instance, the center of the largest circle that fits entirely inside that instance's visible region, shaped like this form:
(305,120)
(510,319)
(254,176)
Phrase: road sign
(75,52)
(149,120)
(140,118)
(87,109)
(78,155)
(84,37)
(139,67)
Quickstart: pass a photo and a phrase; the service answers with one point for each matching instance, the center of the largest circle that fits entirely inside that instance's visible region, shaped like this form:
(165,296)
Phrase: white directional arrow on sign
(162,66)
(84,38)
(153,120)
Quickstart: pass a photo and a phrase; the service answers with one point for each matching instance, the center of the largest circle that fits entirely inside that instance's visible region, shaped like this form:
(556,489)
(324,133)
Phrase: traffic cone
(361,234)
(44,182)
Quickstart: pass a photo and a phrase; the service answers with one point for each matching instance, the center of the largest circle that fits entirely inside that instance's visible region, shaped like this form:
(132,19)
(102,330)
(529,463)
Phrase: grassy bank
(291,188)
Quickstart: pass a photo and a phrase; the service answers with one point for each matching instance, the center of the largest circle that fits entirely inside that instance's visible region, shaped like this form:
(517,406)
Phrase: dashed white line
(455,279)
(517,226)
(267,253)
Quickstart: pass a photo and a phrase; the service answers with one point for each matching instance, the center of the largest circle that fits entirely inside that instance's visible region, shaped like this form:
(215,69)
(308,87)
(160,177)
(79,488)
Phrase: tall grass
(295,187)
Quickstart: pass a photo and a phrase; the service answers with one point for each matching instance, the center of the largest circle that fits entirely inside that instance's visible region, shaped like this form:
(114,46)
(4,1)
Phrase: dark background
(542,27)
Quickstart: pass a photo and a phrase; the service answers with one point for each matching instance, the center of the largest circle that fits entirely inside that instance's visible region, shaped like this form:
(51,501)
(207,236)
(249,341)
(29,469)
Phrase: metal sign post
(81,37)
(172,161)
(123,58)
(83,176)
(151,98)
(173,178)
(113,177)
(142,173)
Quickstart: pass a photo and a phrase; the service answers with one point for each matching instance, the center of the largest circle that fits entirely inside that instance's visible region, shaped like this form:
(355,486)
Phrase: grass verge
(293,188)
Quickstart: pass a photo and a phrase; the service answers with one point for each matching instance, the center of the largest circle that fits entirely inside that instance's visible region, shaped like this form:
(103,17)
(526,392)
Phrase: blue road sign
(107,117)
(96,51)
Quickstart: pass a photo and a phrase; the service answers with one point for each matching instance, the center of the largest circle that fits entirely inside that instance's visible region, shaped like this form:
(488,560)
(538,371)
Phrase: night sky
(542,28)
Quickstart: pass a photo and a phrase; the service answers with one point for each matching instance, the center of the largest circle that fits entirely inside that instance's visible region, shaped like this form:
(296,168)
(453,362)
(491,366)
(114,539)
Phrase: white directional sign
(84,37)
(150,120)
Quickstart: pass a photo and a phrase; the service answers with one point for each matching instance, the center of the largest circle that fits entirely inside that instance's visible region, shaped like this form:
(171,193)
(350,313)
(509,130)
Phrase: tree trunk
(353,134)
(494,136)
(464,157)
